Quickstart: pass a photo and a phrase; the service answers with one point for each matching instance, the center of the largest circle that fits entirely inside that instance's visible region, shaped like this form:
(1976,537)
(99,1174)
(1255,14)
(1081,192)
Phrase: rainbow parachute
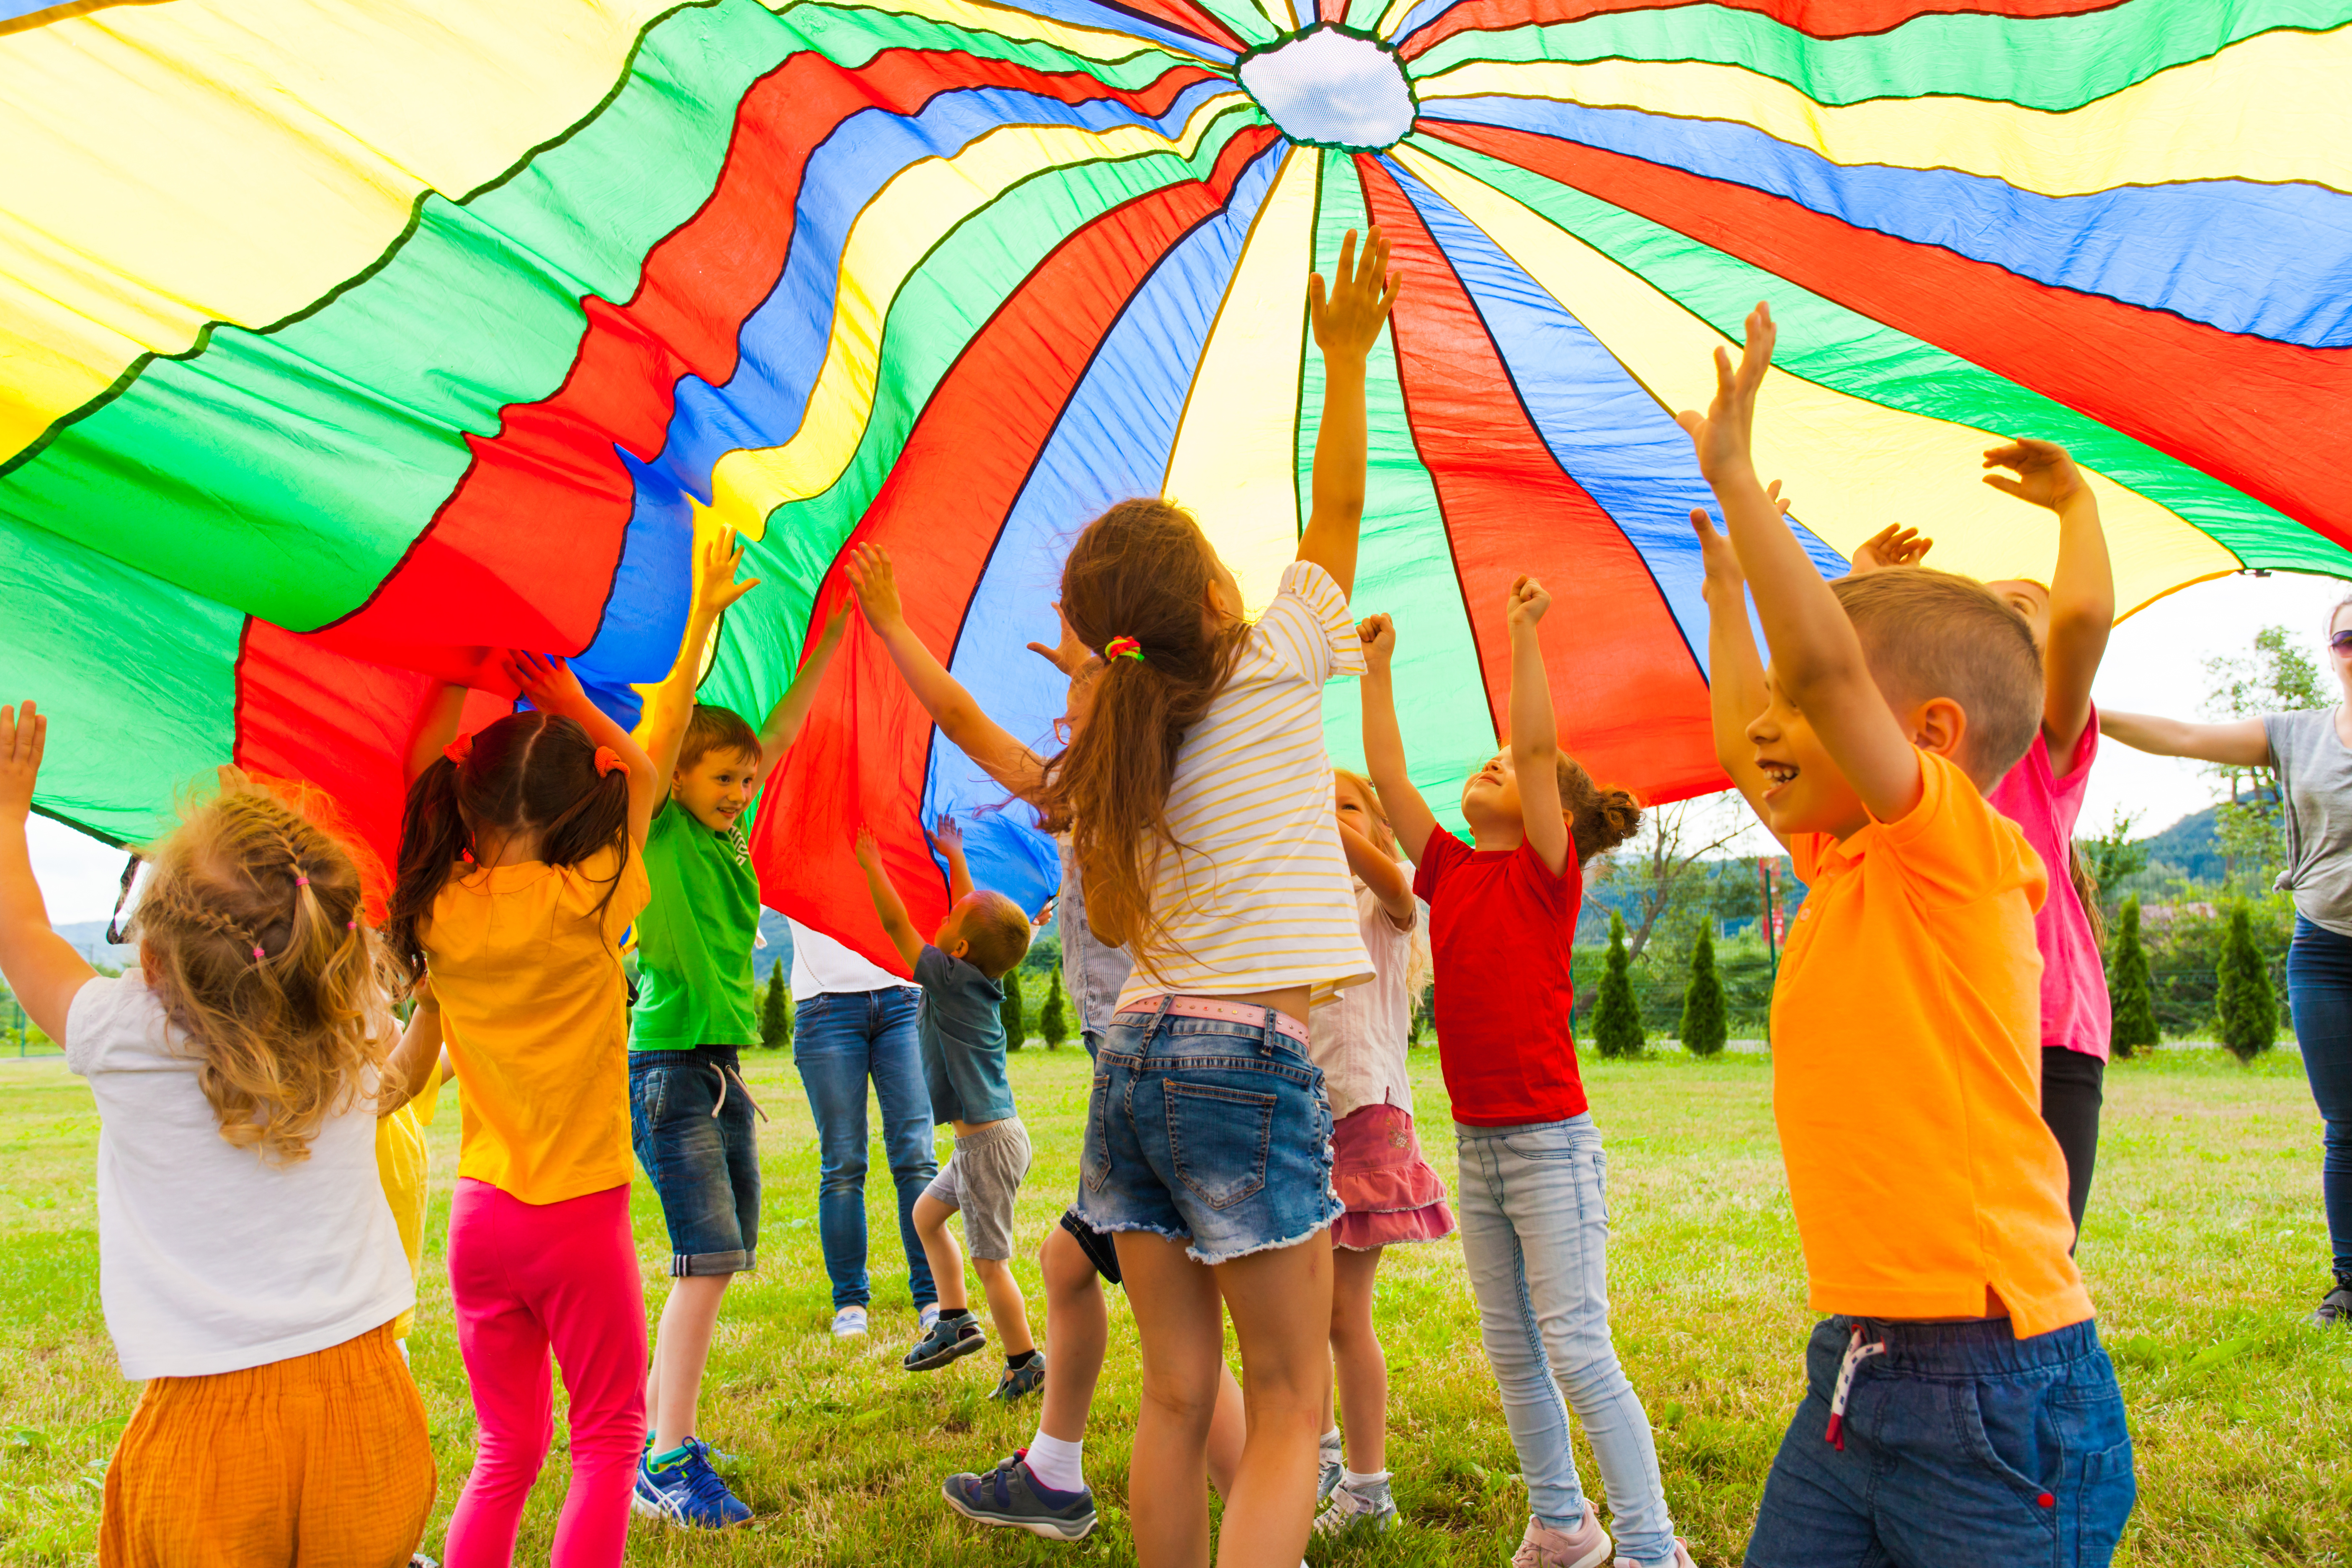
(340,341)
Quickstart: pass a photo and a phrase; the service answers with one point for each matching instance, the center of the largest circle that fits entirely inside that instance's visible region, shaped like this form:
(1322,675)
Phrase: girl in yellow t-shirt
(520,872)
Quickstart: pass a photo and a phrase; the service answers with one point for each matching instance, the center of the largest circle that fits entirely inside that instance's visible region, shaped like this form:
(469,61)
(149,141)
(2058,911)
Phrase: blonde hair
(1418,962)
(252,938)
(1927,634)
(997,931)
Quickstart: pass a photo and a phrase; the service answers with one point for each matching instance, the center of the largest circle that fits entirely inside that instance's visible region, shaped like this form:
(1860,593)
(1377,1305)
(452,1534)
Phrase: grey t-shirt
(2315,773)
(1092,972)
(960,1032)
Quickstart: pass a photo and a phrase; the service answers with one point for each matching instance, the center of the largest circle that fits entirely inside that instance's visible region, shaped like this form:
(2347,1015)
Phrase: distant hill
(88,938)
(2189,846)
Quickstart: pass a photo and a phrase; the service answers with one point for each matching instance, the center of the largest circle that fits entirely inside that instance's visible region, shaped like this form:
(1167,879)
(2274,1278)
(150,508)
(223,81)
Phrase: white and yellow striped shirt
(1258,897)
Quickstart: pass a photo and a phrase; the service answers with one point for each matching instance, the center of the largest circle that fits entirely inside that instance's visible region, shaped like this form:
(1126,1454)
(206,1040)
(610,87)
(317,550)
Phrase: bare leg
(1363,1372)
(681,1351)
(939,1250)
(1228,1429)
(1180,1322)
(1006,1309)
(1281,1305)
(1077,1325)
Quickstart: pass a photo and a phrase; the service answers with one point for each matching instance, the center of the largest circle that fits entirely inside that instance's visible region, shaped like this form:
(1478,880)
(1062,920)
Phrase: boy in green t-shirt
(690,1115)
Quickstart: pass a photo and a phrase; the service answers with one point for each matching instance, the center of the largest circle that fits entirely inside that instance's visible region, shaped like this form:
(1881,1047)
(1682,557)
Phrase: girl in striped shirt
(1198,799)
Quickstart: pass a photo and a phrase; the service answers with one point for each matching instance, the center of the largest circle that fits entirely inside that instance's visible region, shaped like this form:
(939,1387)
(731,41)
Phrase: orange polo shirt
(1906,1070)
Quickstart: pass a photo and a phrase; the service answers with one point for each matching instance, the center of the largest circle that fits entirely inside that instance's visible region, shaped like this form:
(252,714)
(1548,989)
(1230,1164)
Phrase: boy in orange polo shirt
(1960,1410)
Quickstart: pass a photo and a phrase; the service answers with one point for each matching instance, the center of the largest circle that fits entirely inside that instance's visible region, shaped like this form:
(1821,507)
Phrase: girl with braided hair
(248,1266)
(521,868)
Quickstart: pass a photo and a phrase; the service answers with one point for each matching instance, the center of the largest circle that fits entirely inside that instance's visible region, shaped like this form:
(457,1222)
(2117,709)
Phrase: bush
(1053,1018)
(2130,999)
(1704,1030)
(2247,1006)
(1016,1026)
(776,1017)
(1617,1015)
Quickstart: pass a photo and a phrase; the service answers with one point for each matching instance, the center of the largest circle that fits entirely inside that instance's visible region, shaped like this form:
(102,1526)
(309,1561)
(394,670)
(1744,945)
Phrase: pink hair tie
(458,749)
(302,881)
(607,760)
(258,954)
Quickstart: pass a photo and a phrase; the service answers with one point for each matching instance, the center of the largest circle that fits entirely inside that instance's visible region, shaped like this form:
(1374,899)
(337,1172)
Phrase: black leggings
(2071,1095)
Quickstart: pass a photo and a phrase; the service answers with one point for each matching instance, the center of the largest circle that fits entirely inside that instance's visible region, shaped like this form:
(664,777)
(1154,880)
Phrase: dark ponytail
(1598,819)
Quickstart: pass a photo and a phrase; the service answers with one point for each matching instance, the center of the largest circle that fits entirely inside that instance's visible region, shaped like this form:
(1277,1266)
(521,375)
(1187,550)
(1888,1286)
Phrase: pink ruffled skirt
(1390,1190)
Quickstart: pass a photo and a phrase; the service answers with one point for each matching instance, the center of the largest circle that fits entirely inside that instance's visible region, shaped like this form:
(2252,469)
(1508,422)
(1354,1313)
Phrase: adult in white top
(853,1023)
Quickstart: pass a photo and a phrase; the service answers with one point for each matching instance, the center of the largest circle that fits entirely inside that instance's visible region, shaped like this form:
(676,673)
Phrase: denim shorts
(690,1124)
(1964,1447)
(1206,1132)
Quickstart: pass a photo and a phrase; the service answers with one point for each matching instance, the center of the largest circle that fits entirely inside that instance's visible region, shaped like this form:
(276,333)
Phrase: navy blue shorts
(690,1125)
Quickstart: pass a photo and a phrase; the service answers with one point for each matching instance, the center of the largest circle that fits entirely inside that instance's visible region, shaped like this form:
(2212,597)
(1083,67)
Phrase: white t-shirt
(211,1259)
(821,964)
(1260,898)
(1360,1037)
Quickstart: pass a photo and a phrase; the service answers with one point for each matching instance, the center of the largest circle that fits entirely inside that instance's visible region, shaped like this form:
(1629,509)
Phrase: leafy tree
(1053,1018)
(2113,855)
(1424,1013)
(776,1016)
(1016,1028)
(1703,1030)
(1617,1017)
(1666,868)
(2131,1000)
(2247,1005)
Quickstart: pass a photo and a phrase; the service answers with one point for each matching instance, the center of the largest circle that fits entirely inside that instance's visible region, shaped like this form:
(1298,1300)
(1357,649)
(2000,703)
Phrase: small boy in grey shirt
(962,1033)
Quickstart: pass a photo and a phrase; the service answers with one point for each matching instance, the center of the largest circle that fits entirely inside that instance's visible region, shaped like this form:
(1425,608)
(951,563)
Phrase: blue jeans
(690,1124)
(840,1039)
(2319,992)
(1964,1447)
(1535,1234)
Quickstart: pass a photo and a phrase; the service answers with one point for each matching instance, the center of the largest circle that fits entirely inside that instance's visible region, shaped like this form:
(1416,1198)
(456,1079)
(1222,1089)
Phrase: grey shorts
(981,1178)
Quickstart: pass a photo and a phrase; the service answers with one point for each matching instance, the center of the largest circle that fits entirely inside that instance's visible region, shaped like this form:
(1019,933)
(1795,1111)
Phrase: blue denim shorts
(1964,1447)
(1209,1132)
(690,1124)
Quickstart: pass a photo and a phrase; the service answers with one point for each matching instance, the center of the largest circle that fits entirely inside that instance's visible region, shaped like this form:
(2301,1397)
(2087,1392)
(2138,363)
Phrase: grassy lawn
(2205,1249)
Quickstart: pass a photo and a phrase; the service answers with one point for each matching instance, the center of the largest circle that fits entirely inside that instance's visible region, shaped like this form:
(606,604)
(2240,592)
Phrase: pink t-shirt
(2075,1012)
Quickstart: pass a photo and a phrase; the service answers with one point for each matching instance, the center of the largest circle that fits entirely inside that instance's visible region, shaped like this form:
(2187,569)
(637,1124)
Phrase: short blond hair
(996,931)
(1929,634)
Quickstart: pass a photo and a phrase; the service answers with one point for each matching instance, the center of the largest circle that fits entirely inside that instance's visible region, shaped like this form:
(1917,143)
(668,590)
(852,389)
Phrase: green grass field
(2205,1251)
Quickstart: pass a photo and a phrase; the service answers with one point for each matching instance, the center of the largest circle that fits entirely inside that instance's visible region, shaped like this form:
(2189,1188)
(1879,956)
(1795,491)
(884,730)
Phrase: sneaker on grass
(2336,1307)
(1330,1464)
(954,1335)
(1370,1509)
(681,1488)
(1012,1494)
(1017,1381)
(849,1323)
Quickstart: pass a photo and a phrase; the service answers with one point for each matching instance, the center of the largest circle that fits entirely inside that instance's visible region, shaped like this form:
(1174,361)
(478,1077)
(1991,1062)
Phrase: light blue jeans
(1535,1233)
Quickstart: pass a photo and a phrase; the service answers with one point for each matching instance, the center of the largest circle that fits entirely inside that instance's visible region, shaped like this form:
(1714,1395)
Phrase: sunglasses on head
(2341,644)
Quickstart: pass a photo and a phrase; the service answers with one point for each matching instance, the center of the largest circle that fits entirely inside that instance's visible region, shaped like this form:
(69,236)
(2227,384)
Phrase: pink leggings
(526,1278)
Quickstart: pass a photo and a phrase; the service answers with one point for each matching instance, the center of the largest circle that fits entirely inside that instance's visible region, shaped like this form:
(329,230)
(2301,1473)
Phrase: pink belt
(1226,1011)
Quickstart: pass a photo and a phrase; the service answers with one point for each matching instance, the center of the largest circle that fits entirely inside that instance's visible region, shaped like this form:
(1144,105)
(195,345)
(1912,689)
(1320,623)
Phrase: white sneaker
(1681,1559)
(849,1323)
(1350,1508)
(927,1316)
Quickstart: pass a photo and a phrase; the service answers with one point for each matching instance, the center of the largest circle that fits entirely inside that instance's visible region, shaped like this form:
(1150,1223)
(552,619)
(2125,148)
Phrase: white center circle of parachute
(1331,87)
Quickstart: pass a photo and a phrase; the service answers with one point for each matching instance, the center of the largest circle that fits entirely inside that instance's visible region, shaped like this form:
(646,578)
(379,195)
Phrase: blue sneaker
(688,1491)
(1010,1495)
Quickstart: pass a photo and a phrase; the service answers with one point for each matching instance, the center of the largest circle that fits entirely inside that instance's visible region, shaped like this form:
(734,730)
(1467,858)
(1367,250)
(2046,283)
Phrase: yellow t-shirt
(1906,1070)
(535,1013)
(402,1164)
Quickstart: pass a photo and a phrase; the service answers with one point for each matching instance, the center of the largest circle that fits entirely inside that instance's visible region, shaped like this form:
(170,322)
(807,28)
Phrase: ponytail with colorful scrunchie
(607,760)
(458,749)
(1123,647)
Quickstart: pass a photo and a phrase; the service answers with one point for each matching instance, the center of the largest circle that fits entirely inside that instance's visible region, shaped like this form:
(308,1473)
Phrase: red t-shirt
(1502,929)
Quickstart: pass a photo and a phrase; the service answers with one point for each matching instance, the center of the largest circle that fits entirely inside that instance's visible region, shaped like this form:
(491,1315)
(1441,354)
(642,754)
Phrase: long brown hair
(528,772)
(252,936)
(1141,570)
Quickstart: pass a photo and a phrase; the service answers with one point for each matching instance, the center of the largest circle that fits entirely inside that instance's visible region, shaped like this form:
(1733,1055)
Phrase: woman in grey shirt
(2312,753)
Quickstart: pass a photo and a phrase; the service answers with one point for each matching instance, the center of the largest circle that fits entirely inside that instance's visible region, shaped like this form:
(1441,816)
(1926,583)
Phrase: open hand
(948,836)
(1362,289)
(1724,436)
(868,852)
(547,683)
(877,584)
(2047,474)
(716,588)
(835,625)
(1070,654)
(1527,605)
(1379,633)
(1724,572)
(1893,545)
(23,735)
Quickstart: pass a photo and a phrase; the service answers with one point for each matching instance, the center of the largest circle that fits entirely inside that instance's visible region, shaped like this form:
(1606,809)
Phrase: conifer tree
(776,1016)
(1053,1018)
(2247,1003)
(1016,1026)
(1616,1015)
(1704,1032)
(2133,997)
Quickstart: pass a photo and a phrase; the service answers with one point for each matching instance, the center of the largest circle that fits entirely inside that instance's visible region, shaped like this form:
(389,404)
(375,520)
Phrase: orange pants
(319,1460)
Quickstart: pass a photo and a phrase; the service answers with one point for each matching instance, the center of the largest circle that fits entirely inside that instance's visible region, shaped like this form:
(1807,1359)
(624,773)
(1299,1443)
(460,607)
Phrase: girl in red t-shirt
(1534,1213)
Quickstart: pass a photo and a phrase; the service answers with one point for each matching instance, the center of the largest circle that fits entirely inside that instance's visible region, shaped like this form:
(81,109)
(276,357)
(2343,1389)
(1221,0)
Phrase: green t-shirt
(695,940)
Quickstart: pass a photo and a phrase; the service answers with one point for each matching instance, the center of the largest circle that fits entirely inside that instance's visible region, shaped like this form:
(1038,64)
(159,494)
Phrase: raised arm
(1383,875)
(1409,814)
(669,708)
(2082,588)
(948,841)
(1346,326)
(553,689)
(436,726)
(1534,732)
(792,709)
(1734,675)
(886,902)
(41,967)
(2239,743)
(990,745)
(1817,659)
(419,1052)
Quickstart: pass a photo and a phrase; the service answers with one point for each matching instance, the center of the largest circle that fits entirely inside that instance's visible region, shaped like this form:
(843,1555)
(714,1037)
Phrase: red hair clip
(458,749)
(1123,647)
(607,760)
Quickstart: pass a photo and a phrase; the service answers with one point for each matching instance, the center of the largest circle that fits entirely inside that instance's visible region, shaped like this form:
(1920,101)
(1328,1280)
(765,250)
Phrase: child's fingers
(2006,485)
(1316,297)
(1347,270)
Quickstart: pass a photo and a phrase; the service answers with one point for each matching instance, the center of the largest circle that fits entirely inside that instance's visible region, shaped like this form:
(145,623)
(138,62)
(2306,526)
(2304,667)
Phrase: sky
(2154,664)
